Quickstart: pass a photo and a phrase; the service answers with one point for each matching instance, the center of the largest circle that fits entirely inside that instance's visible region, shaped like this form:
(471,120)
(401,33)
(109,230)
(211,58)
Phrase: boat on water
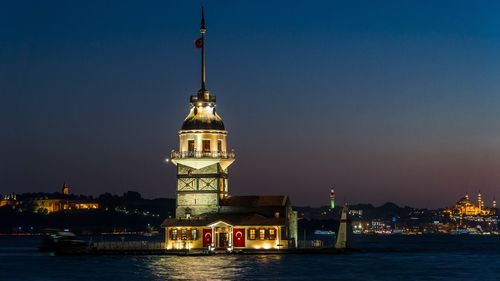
(55,240)
(324,232)
(460,231)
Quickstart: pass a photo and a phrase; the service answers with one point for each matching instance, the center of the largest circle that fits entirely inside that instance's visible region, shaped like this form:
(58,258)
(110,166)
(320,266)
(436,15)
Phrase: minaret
(203,158)
(494,205)
(332,199)
(480,203)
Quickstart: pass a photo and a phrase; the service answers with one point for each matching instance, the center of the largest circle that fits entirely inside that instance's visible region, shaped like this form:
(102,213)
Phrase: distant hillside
(129,212)
(384,212)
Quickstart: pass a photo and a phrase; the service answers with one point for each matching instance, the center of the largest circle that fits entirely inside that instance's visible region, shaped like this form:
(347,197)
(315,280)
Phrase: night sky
(387,100)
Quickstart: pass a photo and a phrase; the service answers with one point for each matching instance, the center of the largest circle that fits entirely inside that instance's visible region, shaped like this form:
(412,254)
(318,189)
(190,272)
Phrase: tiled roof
(255,201)
(232,219)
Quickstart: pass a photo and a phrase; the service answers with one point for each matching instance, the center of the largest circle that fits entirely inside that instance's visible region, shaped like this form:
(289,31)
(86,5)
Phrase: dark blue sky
(388,100)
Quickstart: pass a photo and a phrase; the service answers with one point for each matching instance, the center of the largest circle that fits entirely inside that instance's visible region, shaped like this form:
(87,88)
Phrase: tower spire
(203,30)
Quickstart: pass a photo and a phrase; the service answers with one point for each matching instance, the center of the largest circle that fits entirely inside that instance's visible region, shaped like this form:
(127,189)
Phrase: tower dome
(202,116)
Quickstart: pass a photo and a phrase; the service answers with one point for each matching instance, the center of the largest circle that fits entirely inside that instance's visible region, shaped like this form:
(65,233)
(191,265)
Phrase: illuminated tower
(480,203)
(203,159)
(467,196)
(494,203)
(341,242)
(332,199)
(65,189)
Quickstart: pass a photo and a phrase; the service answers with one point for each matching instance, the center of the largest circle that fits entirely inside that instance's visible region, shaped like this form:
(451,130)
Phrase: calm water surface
(384,258)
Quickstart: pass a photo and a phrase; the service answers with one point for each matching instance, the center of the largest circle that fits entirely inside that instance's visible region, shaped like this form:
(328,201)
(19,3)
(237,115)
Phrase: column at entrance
(213,238)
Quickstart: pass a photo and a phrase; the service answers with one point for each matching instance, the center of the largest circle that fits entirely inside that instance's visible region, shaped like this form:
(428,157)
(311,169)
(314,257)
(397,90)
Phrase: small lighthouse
(342,233)
(332,199)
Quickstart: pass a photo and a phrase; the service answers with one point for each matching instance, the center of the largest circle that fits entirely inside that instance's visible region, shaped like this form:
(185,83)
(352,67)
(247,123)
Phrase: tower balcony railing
(202,154)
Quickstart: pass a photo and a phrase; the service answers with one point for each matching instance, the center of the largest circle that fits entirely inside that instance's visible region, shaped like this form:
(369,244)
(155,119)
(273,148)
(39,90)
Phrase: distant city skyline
(385,101)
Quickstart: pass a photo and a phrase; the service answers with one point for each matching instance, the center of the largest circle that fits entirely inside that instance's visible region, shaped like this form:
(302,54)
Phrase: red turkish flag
(239,237)
(207,237)
(198,43)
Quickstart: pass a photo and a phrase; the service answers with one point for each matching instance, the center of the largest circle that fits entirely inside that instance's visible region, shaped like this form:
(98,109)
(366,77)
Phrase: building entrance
(222,235)
(223,240)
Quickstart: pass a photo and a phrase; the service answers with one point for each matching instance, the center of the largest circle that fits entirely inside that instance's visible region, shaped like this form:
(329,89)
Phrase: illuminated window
(173,234)
(251,234)
(262,234)
(194,234)
(219,145)
(183,234)
(206,145)
(272,233)
(190,145)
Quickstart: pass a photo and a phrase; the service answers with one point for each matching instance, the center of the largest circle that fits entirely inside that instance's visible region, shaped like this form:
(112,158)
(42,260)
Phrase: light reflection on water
(384,258)
(208,267)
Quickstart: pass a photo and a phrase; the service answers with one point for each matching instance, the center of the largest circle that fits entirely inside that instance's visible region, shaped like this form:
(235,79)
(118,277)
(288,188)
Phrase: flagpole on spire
(202,31)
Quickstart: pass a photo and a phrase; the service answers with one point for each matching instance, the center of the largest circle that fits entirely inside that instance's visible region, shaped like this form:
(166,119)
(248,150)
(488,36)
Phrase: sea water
(382,258)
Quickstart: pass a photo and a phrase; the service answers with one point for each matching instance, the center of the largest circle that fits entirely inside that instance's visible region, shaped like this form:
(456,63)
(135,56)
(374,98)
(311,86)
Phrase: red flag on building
(198,43)
(207,237)
(239,237)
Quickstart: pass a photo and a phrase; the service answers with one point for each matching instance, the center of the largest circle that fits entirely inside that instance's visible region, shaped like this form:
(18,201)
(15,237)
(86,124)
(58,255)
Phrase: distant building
(464,207)
(207,216)
(380,227)
(358,213)
(8,200)
(63,203)
(65,189)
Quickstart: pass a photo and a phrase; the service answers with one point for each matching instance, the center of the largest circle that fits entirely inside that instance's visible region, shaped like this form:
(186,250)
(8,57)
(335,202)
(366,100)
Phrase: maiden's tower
(207,216)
